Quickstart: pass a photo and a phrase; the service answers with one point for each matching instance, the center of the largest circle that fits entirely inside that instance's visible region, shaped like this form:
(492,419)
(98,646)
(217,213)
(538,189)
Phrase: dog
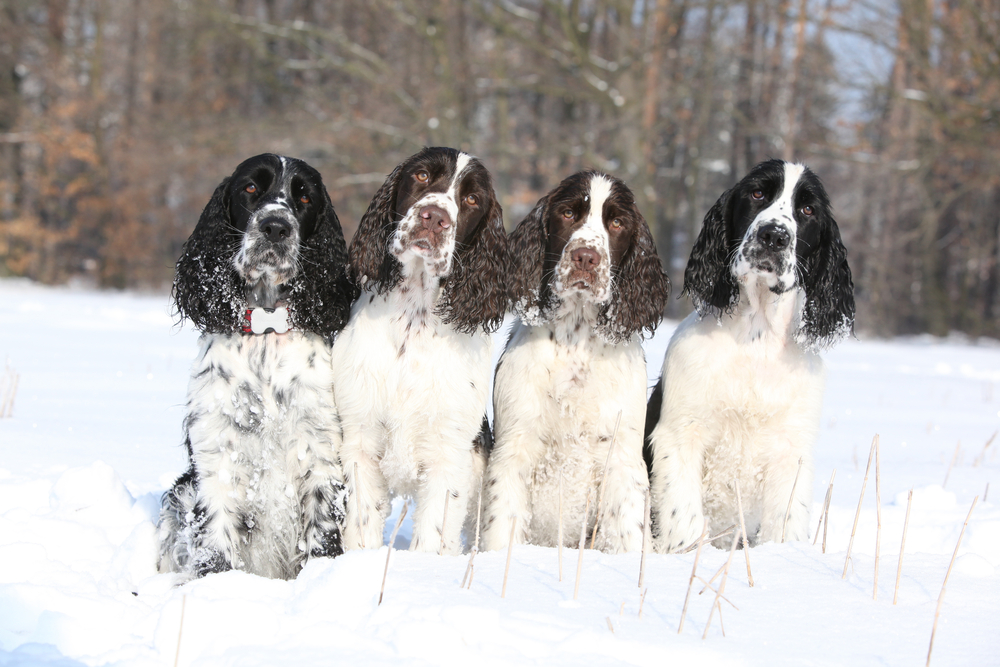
(739,398)
(263,277)
(571,383)
(412,367)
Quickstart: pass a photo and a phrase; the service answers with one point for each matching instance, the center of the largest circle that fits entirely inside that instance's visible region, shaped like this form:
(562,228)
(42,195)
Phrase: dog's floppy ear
(828,314)
(528,243)
(477,292)
(708,279)
(206,286)
(322,293)
(640,289)
(373,267)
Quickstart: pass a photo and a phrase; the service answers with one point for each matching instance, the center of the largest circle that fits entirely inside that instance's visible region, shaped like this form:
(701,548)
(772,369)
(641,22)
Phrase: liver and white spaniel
(263,277)
(588,281)
(412,368)
(741,391)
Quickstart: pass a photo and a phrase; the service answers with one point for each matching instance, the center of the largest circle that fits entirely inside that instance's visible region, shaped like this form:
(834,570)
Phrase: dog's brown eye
(568,214)
(422,176)
(807,210)
(616,224)
(757,194)
(304,199)
(471,200)
(251,188)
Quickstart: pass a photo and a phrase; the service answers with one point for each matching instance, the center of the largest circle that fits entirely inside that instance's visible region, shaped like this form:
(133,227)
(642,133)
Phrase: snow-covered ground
(95,439)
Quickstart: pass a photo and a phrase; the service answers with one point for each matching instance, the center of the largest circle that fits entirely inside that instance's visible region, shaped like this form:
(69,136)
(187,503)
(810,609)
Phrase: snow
(95,438)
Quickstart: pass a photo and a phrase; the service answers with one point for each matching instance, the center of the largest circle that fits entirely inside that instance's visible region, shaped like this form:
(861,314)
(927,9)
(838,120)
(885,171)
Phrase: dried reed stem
(937,612)
(642,601)
(954,457)
(560,529)
(646,537)
(715,576)
(694,573)
(7,405)
(711,539)
(791,497)
(826,506)
(857,515)
(986,492)
(743,527)
(610,627)
(180,630)
(722,589)
(444,520)
(902,546)
(878,521)
(982,455)
(510,551)
(475,545)
(392,541)
(598,515)
(583,541)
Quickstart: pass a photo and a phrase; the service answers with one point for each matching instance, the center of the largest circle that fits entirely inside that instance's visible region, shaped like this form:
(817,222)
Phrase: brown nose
(584,259)
(434,218)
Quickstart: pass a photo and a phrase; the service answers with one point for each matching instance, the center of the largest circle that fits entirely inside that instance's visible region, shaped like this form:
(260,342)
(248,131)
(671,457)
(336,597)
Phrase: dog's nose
(276,229)
(584,258)
(774,237)
(434,218)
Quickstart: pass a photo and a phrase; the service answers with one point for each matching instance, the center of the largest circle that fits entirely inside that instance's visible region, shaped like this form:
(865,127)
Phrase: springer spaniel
(412,367)
(588,282)
(263,277)
(742,385)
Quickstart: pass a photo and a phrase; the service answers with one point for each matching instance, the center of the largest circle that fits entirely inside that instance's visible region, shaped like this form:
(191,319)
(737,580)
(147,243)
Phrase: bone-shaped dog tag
(262,320)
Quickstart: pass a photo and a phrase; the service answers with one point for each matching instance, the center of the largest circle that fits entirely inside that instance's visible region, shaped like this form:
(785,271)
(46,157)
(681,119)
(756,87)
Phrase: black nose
(584,258)
(774,237)
(276,229)
(434,218)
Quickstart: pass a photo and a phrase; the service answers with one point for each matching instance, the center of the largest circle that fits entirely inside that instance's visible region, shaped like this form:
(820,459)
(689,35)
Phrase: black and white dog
(588,282)
(742,385)
(412,368)
(263,277)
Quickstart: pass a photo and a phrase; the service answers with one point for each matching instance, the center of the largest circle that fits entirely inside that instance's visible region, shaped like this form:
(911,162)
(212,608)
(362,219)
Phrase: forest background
(119,117)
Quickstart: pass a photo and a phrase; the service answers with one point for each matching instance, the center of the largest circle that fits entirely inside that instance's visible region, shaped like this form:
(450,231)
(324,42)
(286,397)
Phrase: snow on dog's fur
(740,395)
(588,281)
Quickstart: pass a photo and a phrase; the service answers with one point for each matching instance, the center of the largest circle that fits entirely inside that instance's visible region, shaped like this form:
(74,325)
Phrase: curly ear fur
(207,290)
(528,243)
(828,314)
(322,293)
(708,279)
(372,265)
(477,292)
(640,290)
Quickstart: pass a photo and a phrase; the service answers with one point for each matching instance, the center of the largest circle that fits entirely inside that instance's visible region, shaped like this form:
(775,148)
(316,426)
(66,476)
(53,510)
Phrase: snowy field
(95,438)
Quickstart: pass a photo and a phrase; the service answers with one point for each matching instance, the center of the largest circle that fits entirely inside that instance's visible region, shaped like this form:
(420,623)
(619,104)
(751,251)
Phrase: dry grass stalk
(600,498)
(392,541)
(902,546)
(857,515)
(642,601)
(646,537)
(180,630)
(982,455)
(610,627)
(694,573)
(722,589)
(583,542)
(878,521)
(510,550)
(986,492)
(711,539)
(954,457)
(11,380)
(788,510)
(444,520)
(937,612)
(475,545)
(826,506)
(559,539)
(743,527)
